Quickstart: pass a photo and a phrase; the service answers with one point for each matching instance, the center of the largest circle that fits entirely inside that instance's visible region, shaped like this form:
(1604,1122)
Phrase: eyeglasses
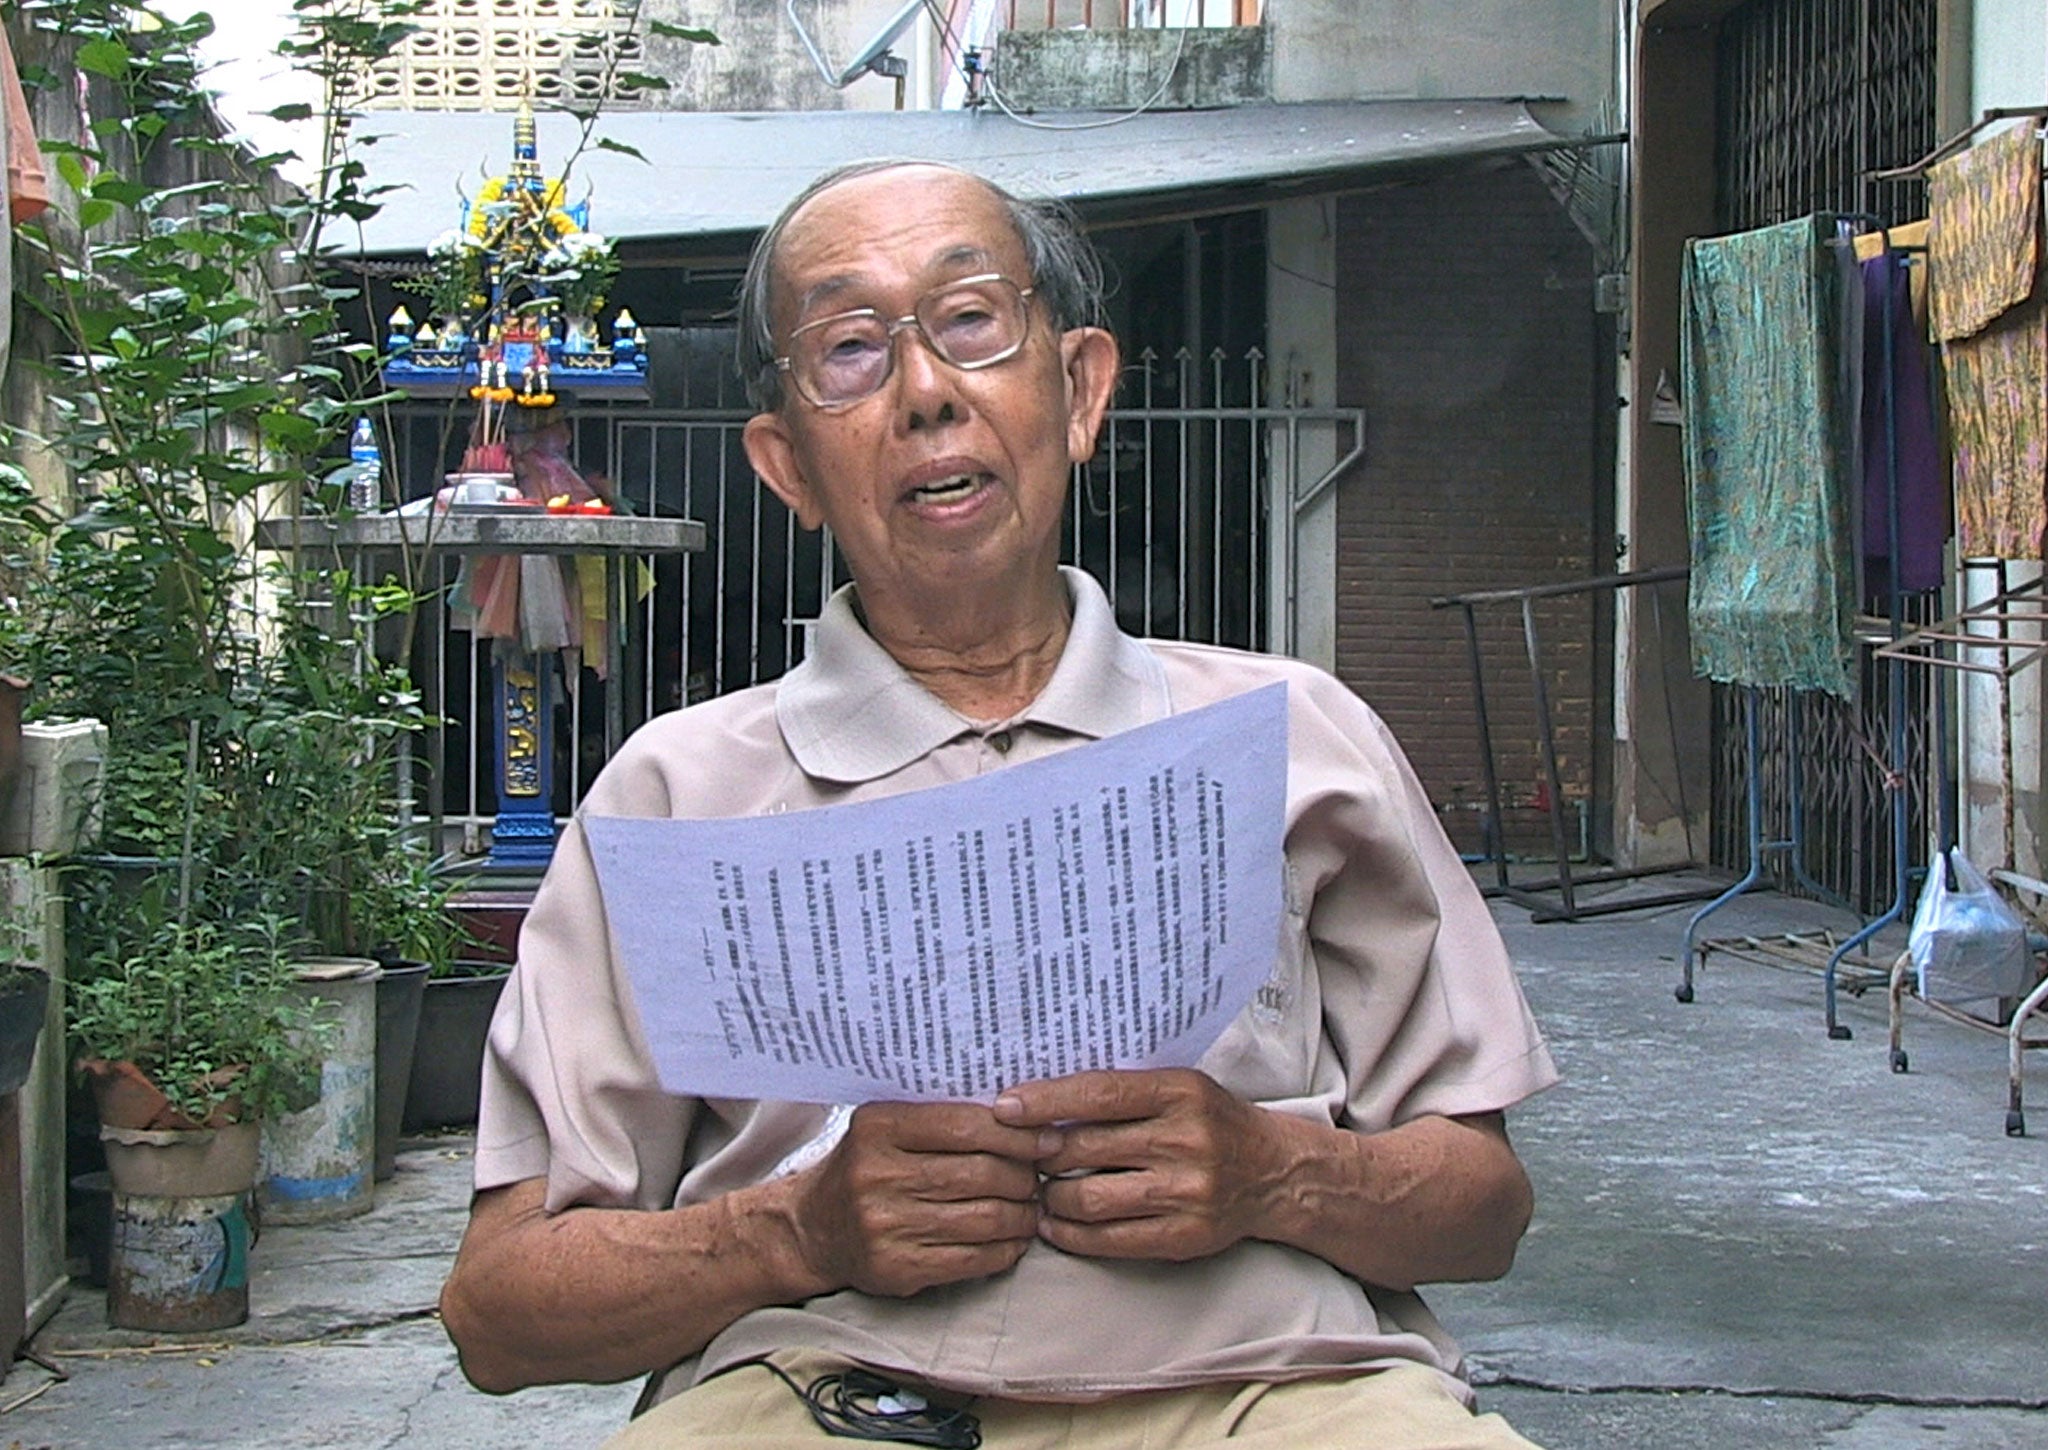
(973,323)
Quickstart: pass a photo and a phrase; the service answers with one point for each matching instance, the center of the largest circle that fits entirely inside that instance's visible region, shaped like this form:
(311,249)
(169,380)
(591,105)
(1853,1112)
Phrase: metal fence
(1816,94)
(1174,515)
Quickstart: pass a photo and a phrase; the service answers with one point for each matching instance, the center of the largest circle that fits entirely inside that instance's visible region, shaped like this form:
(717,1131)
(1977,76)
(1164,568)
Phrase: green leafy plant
(208,1017)
(203,359)
(199,377)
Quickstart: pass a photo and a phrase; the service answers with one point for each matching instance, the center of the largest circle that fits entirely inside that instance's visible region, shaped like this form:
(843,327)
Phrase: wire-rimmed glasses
(973,322)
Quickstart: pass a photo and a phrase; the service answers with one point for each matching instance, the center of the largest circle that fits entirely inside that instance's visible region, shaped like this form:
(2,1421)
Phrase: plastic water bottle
(366,473)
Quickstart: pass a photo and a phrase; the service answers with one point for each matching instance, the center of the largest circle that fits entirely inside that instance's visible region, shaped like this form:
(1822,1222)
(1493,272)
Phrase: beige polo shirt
(1392,997)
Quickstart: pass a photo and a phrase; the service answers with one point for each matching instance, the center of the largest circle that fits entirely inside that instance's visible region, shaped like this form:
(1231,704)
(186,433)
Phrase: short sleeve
(569,1089)
(1419,999)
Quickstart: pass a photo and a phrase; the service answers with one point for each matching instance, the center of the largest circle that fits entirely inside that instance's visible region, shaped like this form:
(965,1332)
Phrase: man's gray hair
(1065,272)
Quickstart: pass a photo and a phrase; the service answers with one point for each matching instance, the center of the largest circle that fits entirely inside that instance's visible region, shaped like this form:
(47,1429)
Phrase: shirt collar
(849,713)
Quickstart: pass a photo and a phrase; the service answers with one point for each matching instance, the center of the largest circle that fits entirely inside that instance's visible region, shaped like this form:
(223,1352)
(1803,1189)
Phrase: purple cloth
(1923,489)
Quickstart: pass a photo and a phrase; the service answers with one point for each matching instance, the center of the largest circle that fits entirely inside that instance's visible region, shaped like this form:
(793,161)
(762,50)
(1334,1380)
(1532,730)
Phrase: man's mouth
(948,490)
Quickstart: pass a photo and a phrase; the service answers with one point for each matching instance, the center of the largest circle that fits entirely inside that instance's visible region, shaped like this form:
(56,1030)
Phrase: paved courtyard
(1747,1235)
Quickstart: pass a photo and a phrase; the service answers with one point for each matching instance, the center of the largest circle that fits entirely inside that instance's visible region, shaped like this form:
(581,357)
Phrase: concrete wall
(32,931)
(761,65)
(1344,49)
(2008,53)
(1124,69)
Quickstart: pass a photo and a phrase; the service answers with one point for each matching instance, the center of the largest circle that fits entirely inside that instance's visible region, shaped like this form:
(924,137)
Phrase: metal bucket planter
(317,1162)
(398,1021)
(448,1057)
(178,1256)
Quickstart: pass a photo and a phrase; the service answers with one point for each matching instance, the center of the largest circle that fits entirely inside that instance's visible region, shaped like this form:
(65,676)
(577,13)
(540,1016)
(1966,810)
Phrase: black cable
(858,1404)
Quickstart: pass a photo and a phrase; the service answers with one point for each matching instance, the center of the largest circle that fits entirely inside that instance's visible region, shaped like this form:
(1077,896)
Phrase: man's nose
(928,388)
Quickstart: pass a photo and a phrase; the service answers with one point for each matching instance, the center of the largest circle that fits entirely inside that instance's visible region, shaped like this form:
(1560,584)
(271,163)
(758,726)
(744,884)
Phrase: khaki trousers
(1406,1408)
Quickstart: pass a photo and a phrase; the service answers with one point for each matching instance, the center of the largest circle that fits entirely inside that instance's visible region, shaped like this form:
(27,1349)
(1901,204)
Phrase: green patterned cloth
(1772,598)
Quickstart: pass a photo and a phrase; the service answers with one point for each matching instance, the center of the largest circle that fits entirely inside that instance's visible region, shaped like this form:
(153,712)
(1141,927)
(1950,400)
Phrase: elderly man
(1118,1258)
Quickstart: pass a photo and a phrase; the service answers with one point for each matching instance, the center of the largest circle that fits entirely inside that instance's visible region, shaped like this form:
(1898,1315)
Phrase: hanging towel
(1987,310)
(1997,385)
(1922,482)
(1984,232)
(1772,598)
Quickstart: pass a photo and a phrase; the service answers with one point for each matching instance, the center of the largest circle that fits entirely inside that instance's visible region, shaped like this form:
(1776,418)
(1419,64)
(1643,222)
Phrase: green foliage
(209,1016)
(202,380)
(682,32)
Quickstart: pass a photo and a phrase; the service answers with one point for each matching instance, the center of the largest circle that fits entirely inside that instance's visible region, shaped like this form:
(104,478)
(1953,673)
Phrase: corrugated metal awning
(723,174)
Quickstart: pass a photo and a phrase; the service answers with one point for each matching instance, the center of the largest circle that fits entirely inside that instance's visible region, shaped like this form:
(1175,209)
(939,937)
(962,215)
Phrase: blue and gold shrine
(514,298)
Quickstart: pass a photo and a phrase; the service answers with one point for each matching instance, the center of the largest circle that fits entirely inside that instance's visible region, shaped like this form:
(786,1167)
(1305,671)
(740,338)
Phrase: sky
(251,77)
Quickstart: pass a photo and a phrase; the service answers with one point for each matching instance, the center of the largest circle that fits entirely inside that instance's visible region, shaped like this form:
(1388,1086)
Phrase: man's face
(943,480)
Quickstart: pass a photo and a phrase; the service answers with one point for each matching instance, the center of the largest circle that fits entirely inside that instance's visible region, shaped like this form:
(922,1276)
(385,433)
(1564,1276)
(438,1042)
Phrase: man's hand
(918,1194)
(1170,1166)
(1165,1164)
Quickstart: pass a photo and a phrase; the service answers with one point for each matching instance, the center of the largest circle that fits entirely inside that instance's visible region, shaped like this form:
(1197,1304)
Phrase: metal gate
(1183,515)
(1813,96)
(1816,94)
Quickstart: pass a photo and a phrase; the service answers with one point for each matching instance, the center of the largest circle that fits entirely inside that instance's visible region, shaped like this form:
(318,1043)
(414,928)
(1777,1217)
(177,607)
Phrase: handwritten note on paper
(1114,905)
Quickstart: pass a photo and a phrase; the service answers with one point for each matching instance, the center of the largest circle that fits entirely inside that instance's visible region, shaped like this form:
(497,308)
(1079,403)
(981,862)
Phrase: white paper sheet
(1114,905)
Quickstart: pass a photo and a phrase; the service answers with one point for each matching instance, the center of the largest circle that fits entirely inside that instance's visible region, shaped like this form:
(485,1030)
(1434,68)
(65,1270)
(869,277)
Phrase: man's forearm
(1432,1200)
(596,1294)
(912,1195)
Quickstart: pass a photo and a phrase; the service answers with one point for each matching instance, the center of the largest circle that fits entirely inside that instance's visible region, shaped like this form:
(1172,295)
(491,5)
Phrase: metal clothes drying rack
(1867,972)
(1896,684)
(1901,899)
(1949,644)
(2014,1030)
(1533,895)
(1794,950)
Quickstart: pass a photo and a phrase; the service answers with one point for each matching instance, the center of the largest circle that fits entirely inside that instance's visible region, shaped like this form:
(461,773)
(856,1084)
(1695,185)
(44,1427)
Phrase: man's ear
(1091,360)
(773,453)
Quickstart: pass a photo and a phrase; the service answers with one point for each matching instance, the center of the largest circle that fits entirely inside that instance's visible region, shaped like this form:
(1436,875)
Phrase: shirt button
(1000,742)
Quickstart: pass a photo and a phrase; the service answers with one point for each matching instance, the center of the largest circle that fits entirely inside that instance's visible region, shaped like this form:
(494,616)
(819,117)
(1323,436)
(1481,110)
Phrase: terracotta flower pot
(182,1162)
(127,1098)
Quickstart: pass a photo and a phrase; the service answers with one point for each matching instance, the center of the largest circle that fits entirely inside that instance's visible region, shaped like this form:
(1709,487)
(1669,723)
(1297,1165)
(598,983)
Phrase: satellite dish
(875,56)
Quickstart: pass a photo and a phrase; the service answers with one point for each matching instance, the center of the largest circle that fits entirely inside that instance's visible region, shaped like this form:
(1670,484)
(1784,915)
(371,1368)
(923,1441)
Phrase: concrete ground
(1748,1236)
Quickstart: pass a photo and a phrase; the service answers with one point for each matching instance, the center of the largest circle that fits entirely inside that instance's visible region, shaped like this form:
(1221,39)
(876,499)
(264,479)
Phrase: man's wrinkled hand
(917,1194)
(1162,1164)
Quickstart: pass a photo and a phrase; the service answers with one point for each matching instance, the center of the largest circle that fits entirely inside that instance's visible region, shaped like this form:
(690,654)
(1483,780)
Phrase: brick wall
(1466,331)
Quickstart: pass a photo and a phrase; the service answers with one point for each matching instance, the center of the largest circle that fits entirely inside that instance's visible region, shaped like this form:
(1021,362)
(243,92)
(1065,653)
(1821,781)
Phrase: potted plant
(189,1043)
(196,1031)
(404,911)
(447,1065)
(197,378)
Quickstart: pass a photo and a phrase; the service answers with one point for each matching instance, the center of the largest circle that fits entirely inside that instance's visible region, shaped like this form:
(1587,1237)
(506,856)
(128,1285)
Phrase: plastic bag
(1969,947)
